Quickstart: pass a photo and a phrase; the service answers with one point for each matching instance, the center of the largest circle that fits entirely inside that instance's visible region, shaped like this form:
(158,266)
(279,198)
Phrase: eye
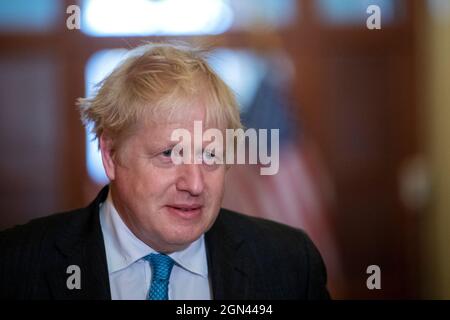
(167,153)
(210,154)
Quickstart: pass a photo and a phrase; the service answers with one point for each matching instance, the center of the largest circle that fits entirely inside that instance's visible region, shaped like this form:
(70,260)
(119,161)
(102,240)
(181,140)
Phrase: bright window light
(439,9)
(241,70)
(155,17)
(29,16)
(264,13)
(98,67)
(354,11)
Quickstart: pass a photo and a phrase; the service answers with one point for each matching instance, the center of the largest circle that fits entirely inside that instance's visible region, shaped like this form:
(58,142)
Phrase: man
(157,231)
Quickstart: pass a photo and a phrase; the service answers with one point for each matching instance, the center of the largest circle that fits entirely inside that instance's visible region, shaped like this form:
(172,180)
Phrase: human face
(167,206)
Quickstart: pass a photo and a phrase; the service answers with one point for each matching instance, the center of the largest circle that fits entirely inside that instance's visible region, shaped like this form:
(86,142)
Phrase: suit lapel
(81,244)
(228,263)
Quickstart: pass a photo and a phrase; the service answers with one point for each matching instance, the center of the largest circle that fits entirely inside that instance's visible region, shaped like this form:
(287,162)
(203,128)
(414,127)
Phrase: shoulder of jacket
(36,231)
(262,229)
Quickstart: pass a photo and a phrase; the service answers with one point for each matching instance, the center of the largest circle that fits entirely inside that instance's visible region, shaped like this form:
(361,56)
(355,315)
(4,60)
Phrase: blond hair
(157,80)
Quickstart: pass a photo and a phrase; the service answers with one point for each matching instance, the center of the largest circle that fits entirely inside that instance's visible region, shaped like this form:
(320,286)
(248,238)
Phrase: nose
(190,179)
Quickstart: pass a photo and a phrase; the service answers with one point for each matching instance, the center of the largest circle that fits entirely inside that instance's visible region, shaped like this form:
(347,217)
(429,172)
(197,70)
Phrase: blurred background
(364,119)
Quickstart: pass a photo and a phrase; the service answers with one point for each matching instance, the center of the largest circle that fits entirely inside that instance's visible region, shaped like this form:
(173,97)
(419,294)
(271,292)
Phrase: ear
(107,151)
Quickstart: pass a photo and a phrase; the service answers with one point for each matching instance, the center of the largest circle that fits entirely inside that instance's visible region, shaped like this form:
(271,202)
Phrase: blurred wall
(436,46)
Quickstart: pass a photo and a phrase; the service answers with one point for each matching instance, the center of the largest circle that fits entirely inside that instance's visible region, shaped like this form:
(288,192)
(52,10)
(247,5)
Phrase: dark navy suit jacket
(248,258)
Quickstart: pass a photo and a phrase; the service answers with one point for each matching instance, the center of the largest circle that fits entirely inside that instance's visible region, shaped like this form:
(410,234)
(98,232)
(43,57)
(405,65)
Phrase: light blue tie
(161,267)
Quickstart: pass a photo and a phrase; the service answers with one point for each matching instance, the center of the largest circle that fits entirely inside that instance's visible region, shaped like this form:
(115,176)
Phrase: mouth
(185,211)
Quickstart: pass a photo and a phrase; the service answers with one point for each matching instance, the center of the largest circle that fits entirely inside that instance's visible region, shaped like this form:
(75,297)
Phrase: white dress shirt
(130,274)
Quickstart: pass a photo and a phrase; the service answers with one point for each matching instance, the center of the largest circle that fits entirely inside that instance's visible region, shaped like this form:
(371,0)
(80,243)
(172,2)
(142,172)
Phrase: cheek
(161,177)
(216,184)
(144,181)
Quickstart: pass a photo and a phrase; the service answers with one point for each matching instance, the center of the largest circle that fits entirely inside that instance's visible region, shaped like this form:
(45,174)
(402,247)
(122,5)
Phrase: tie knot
(161,265)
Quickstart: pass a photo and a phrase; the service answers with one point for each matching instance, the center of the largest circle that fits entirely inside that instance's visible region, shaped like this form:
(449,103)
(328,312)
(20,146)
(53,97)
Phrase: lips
(185,211)
(185,207)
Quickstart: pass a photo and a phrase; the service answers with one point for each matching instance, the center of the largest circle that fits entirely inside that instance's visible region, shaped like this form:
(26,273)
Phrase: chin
(183,237)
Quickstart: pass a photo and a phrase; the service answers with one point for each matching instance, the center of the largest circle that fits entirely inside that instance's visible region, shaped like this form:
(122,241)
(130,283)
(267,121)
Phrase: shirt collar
(123,248)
